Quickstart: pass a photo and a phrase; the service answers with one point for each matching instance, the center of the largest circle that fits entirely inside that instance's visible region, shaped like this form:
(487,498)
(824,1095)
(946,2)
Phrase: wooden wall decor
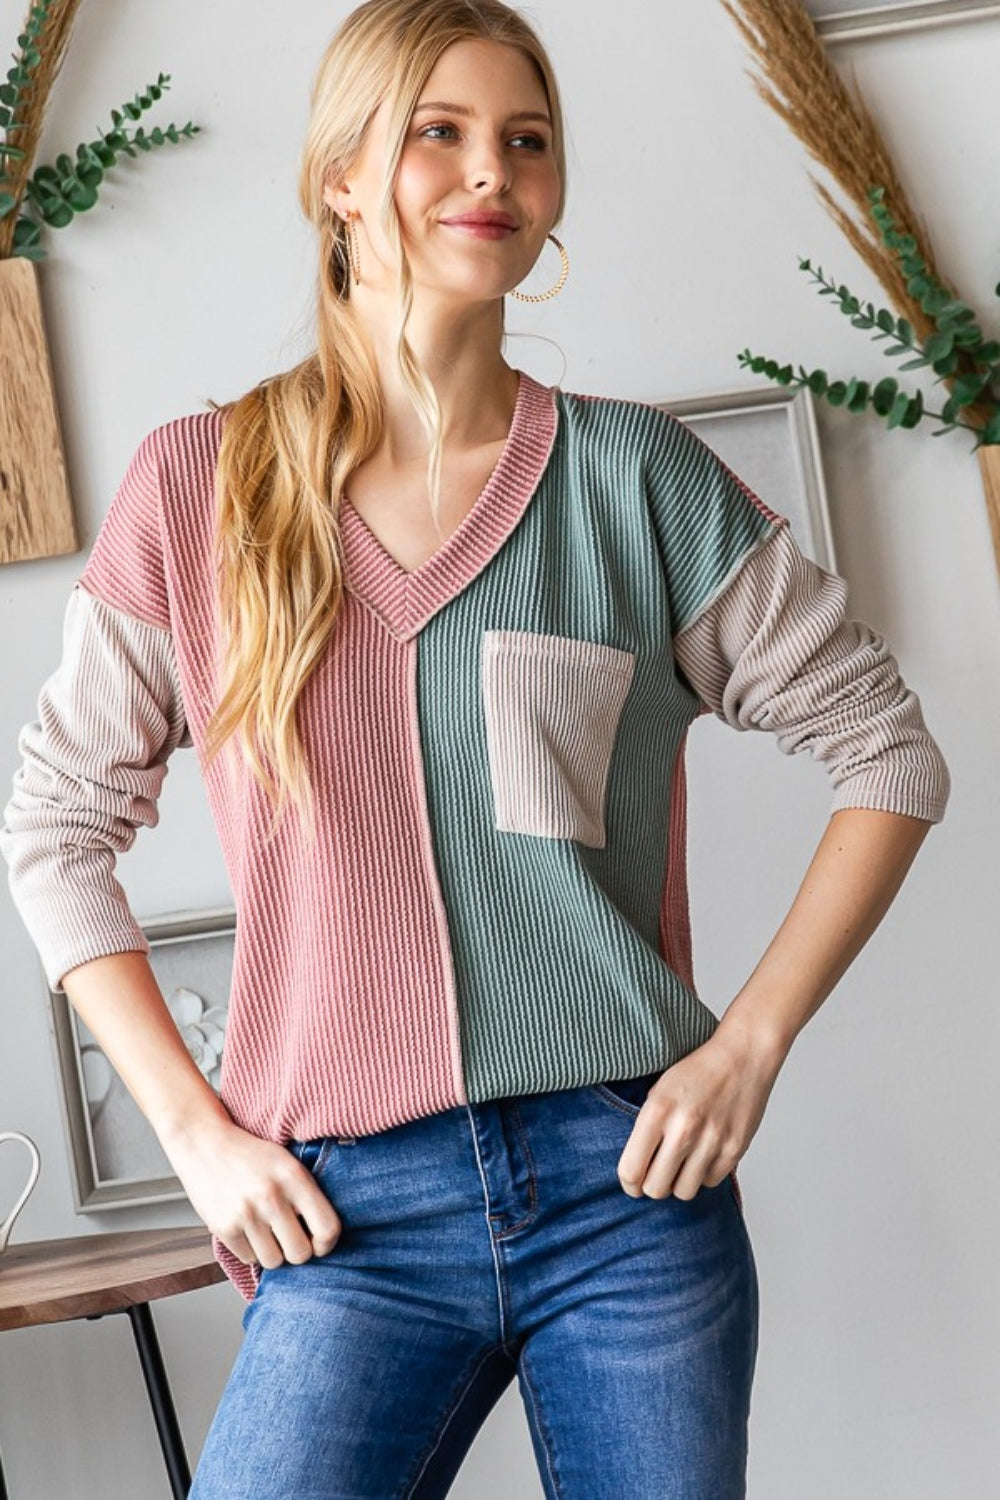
(36,513)
(989,464)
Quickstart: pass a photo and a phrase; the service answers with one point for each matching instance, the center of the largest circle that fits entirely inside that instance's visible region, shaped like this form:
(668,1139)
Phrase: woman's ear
(337,197)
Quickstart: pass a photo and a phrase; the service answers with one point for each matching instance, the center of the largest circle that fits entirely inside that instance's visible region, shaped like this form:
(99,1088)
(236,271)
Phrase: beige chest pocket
(552,706)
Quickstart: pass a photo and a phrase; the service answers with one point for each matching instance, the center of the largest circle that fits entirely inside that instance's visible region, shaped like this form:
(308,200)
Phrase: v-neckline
(406,598)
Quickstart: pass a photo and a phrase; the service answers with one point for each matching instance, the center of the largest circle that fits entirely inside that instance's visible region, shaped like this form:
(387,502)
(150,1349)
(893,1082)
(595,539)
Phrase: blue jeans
(481,1242)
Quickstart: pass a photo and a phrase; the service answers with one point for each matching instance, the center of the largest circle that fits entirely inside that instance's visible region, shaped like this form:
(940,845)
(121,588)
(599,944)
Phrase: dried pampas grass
(52,44)
(838,131)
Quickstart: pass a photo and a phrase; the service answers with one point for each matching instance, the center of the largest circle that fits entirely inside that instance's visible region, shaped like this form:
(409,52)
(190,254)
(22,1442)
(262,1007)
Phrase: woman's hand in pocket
(699,1117)
(253,1194)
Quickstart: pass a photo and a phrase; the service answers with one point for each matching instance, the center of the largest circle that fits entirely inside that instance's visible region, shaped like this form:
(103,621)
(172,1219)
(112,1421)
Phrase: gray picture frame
(849,20)
(769,437)
(115,1158)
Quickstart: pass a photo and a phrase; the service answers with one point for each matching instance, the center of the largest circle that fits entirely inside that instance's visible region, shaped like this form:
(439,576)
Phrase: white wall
(871,1186)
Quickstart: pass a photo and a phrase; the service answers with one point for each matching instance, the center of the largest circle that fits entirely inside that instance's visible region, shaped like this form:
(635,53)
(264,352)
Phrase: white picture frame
(769,438)
(115,1158)
(848,20)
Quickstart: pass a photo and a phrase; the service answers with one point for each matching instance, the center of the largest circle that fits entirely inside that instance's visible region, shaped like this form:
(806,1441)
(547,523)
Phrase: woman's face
(479,142)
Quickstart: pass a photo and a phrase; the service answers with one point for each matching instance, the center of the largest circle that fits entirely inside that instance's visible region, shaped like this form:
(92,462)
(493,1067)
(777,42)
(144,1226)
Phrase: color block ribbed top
(496,901)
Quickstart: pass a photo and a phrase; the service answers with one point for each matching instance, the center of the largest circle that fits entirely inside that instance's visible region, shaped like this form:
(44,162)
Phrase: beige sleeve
(93,764)
(775,651)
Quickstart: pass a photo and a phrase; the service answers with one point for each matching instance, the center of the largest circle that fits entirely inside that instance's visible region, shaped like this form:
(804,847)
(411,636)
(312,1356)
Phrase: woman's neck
(474,384)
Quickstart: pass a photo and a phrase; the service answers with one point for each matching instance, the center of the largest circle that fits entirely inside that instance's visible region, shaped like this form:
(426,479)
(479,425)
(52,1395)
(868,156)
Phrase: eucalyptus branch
(957,349)
(70,187)
(54,193)
(885,398)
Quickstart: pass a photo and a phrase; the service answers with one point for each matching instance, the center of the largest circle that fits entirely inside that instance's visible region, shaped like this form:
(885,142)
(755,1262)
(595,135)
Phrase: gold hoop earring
(553,290)
(353,250)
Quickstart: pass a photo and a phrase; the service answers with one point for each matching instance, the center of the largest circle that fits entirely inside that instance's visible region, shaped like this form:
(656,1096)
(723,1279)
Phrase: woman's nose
(488,169)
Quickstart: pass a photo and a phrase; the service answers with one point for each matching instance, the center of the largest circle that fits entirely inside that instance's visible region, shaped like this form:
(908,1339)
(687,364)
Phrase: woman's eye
(531,141)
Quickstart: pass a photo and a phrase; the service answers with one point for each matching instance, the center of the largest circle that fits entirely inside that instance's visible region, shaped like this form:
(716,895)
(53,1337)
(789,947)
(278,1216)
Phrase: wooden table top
(52,1281)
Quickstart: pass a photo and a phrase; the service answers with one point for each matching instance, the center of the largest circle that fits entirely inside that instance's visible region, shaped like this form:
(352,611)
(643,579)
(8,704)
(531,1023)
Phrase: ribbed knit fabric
(496,903)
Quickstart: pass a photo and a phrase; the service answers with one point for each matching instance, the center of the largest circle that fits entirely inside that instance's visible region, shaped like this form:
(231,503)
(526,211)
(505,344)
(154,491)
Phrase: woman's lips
(480,231)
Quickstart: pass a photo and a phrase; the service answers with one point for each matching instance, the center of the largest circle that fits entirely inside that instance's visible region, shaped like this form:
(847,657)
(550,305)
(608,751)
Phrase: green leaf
(934,300)
(968,388)
(817,382)
(919,286)
(784,375)
(991,432)
(857,395)
(58,215)
(884,395)
(897,349)
(861,320)
(938,346)
(904,331)
(7,202)
(987,354)
(914,412)
(886,321)
(959,312)
(947,366)
(81,197)
(914,364)
(26,232)
(836,393)
(900,409)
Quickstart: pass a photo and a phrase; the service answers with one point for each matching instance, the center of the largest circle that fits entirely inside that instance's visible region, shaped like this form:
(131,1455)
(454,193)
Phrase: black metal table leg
(160,1399)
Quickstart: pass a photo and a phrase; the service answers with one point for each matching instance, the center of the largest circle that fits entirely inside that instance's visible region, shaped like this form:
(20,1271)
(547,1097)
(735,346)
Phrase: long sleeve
(775,651)
(93,765)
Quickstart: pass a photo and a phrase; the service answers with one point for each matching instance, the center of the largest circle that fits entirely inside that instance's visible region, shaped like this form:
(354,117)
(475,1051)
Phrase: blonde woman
(436,633)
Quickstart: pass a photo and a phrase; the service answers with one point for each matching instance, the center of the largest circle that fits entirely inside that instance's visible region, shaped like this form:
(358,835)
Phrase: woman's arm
(701,1115)
(250,1192)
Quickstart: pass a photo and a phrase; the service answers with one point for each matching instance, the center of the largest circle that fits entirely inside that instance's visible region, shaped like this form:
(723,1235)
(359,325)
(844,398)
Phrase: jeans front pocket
(312,1154)
(552,705)
(627,1094)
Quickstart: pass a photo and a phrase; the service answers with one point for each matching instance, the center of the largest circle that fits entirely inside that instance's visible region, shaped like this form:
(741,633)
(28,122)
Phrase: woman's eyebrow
(462,109)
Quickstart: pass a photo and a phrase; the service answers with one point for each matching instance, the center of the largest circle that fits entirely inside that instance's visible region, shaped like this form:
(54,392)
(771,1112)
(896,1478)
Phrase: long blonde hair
(289,444)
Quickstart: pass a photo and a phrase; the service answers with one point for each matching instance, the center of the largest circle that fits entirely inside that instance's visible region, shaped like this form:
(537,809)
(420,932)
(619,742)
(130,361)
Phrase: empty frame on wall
(769,438)
(844,20)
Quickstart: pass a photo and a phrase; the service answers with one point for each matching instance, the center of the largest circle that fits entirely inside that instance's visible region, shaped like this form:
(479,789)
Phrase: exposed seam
(610,1097)
(449,1415)
(539,1423)
(532,1179)
(497,1271)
